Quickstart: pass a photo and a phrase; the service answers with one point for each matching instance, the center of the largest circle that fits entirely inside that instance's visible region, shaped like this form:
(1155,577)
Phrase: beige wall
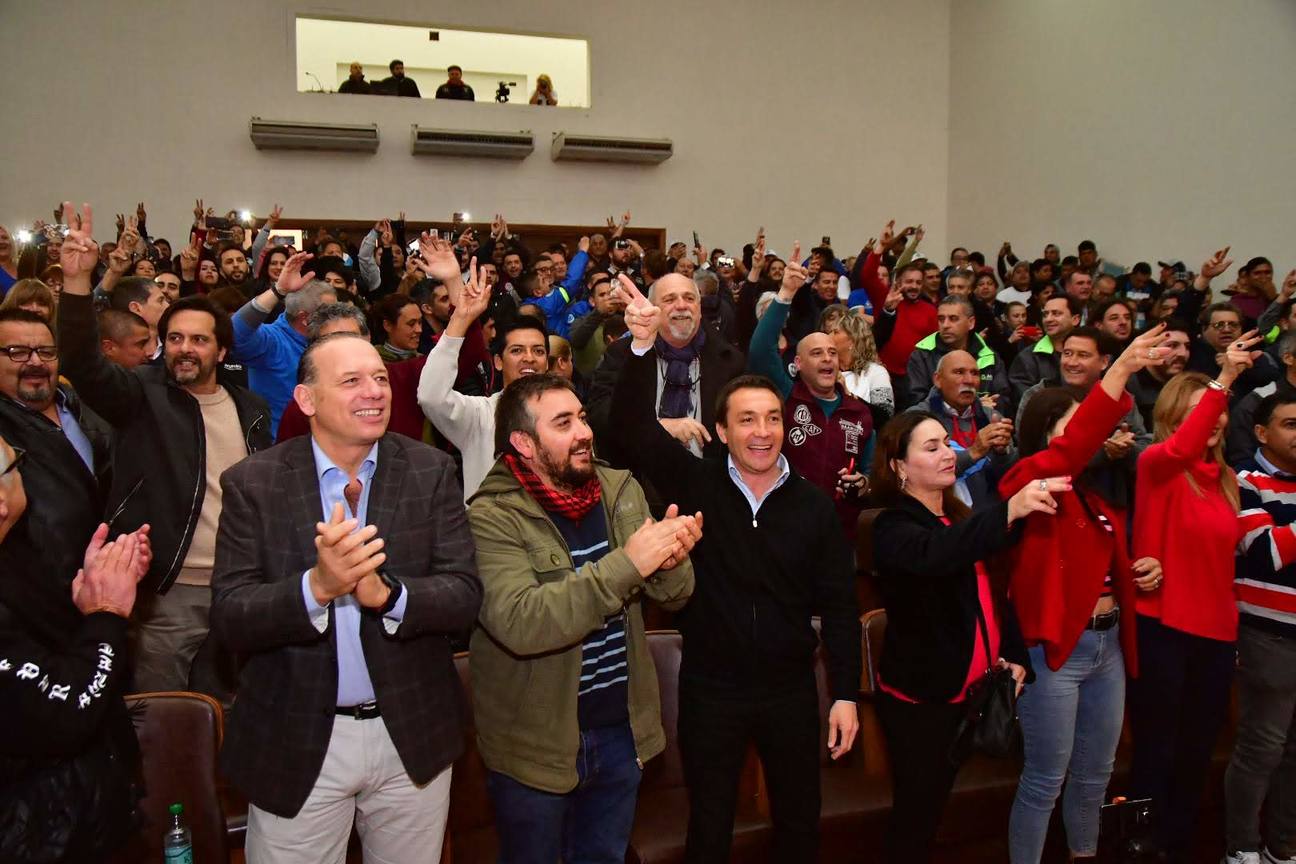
(1152,127)
(774,109)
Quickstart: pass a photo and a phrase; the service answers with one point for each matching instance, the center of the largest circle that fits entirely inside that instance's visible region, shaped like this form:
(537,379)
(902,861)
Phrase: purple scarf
(677,392)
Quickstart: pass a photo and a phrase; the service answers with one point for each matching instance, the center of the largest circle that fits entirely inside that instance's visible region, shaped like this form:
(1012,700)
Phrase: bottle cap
(176,809)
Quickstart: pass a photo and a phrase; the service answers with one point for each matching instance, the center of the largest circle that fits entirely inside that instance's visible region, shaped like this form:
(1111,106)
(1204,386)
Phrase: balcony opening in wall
(498,68)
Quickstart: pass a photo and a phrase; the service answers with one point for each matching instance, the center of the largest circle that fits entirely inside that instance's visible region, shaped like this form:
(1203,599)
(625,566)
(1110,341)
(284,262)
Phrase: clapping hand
(344,556)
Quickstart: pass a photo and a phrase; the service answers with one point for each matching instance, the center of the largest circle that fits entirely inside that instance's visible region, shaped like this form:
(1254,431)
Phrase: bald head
(957,378)
(817,364)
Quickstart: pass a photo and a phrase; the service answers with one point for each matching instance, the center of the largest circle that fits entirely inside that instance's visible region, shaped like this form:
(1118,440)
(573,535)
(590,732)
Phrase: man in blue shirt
(272,350)
(344,564)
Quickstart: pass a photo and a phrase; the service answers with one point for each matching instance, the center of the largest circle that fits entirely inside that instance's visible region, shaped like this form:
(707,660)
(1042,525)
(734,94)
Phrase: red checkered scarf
(573,505)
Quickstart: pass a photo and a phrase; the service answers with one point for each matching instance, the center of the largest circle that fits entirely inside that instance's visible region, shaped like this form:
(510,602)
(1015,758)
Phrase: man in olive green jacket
(564,689)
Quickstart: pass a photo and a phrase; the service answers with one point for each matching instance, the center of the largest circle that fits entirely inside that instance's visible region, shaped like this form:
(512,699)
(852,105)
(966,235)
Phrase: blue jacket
(556,303)
(271,353)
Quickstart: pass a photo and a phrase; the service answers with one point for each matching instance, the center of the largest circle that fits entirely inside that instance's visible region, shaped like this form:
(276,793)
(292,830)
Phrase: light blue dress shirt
(354,685)
(73,432)
(754,502)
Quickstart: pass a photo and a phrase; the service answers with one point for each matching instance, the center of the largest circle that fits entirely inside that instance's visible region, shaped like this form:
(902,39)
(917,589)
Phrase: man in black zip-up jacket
(177,427)
(773,555)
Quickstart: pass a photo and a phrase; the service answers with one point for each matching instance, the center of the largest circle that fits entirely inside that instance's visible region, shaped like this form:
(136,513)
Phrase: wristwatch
(274,289)
(394,589)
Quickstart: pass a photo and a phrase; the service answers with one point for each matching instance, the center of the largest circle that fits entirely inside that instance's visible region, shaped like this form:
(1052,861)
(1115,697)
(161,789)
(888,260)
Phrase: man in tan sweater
(176,429)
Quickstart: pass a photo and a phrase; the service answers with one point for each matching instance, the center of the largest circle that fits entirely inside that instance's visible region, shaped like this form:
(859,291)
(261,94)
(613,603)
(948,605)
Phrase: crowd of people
(454,87)
(328,468)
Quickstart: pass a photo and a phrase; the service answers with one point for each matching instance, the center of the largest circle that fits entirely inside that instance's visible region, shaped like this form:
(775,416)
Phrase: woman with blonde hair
(1185,516)
(544,94)
(34,296)
(862,374)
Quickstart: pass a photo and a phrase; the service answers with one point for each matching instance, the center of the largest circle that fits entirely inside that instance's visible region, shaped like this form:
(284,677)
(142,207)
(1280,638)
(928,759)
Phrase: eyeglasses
(1225,325)
(22,353)
(19,455)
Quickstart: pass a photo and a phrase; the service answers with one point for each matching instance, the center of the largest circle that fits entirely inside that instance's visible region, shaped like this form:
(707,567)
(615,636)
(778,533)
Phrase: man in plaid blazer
(343,564)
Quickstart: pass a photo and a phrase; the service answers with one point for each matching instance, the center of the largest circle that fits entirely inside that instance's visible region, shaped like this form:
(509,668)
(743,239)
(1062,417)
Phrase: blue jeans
(588,825)
(1071,724)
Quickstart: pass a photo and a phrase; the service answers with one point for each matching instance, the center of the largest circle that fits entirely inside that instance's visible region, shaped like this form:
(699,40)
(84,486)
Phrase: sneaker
(1242,858)
(1271,858)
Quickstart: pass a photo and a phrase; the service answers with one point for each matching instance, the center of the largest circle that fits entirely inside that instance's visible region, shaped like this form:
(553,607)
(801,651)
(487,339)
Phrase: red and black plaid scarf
(573,505)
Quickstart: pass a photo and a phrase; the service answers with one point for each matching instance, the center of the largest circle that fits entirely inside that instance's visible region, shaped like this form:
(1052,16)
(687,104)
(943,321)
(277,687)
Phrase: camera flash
(23,235)
(467,217)
(245,215)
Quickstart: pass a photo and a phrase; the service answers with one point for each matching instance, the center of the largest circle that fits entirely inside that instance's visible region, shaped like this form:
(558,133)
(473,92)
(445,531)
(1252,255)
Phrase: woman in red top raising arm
(1071,579)
(1185,516)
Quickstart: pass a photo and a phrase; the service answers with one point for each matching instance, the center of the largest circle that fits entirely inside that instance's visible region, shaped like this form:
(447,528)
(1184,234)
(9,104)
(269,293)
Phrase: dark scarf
(677,394)
(574,505)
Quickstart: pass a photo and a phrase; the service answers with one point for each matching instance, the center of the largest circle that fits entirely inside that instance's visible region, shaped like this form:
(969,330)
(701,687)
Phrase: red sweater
(915,319)
(1061,562)
(1192,532)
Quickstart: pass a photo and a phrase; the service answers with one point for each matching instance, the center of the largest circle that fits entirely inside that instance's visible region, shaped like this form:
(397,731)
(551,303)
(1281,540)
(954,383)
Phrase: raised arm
(113,392)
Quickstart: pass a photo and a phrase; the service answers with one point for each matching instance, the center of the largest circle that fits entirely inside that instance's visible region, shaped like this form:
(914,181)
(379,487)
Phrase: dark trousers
(1177,706)
(715,727)
(918,738)
(588,825)
(1261,776)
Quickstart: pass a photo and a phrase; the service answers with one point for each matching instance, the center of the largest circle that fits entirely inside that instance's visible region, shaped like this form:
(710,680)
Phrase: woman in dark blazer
(929,561)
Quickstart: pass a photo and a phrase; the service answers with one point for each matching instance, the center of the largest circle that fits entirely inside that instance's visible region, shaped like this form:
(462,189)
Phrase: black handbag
(989,723)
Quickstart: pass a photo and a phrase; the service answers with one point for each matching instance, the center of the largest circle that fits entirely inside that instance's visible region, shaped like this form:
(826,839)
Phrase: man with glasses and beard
(179,426)
(693,364)
(67,447)
(567,627)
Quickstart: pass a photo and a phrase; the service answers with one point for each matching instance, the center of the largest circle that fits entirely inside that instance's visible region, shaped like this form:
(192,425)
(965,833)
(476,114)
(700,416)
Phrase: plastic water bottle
(177,843)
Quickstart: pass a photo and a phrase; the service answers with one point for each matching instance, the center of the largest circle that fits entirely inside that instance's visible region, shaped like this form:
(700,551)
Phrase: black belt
(363,711)
(1105,621)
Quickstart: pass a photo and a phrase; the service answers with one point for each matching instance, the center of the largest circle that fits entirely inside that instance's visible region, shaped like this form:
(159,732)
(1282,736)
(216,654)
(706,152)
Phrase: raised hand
(1144,351)
(584,245)
(276,213)
(794,275)
(1037,497)
(291,278)
(121,224)
(198,210)
(893,297)
(1217,263)
(80,252)
(141,216)
(887,237)
(474,296)
(497,227)
(439,258)
(384,231)
(119,259)
(919,233)
(1239,357)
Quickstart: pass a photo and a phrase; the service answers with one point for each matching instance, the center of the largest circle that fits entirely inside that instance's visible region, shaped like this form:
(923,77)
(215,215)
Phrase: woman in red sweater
(1070,577)
(1185,516)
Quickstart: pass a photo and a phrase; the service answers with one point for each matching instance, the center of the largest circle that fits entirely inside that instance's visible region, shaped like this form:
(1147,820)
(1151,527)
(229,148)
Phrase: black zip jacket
(759,579)
(160,451)
(65,501)
(926,574)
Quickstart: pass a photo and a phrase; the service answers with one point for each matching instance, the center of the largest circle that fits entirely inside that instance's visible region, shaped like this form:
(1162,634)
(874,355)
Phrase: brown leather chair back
(471,824)
(864,540)
(874,630)
(179,736)
(666,770)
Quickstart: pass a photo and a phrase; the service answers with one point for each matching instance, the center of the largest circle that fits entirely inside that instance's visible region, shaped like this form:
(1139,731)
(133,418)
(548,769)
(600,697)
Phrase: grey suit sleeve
(252,610)
(448,598)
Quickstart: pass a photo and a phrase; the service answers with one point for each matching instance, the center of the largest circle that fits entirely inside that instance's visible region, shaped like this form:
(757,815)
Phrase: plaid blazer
(282,719)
